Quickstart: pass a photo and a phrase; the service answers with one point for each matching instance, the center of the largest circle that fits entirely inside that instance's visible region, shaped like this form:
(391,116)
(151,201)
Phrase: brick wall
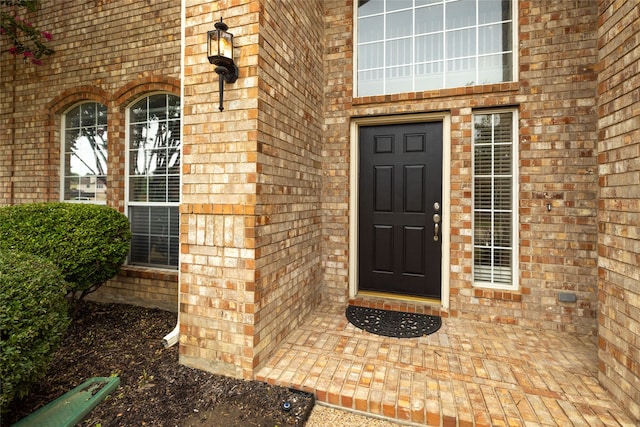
(558,54)
(266,183)
(619,206)
(126,49)
(143,287)
(251,187)
(338,84)
(555,96)
(218,222)
(288,233)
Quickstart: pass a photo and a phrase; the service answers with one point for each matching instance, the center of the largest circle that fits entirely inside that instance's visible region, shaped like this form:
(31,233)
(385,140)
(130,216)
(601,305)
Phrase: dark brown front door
(400,209)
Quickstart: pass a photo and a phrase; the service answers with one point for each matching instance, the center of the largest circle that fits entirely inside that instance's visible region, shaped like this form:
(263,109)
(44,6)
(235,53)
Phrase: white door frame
(354,184)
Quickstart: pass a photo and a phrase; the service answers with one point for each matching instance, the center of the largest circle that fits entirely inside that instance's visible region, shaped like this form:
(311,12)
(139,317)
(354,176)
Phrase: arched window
(153,180)
(84,154)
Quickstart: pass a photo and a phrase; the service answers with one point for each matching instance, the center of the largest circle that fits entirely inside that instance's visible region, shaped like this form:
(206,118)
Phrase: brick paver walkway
(468,373)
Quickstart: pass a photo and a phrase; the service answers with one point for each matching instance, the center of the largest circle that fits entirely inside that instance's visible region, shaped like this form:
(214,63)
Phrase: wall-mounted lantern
(220,54)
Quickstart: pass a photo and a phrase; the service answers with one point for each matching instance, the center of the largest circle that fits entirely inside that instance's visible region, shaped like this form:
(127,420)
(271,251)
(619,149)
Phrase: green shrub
(33,320)
(88,243)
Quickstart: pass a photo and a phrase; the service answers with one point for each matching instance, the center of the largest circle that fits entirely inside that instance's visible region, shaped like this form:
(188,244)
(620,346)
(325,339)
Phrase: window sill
(148,272)
(439,93)
(498,294)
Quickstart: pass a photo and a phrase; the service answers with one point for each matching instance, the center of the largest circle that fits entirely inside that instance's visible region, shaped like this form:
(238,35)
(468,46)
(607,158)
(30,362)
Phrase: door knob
(436,222)
(436,218)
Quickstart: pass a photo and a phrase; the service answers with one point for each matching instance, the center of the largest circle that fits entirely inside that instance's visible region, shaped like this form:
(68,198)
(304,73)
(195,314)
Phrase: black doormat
(393,323)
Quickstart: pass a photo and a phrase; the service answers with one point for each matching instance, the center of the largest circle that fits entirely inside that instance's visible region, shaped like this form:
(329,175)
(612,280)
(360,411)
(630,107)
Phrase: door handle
(436,228)
(435,233)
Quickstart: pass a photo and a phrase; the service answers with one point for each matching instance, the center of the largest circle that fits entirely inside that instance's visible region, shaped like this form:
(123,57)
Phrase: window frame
(127,175)
(514,55)
(63,151)
(514,285)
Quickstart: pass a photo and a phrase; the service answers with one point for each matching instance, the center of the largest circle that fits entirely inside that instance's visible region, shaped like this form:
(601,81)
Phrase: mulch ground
(154,390)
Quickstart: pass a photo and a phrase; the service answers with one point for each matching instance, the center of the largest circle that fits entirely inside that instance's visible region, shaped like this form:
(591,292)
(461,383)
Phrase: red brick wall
(218,299)
(143,287)
(338,84)
(123,42)
(126,49)
(251,225)
(555,96)
(265,212)
(288,233)
(558,55)
(619,204)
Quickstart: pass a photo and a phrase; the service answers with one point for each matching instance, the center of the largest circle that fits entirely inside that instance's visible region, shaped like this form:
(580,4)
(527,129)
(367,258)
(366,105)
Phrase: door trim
(354,185)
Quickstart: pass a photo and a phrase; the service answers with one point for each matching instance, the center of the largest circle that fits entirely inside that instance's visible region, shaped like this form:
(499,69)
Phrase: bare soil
(154,390)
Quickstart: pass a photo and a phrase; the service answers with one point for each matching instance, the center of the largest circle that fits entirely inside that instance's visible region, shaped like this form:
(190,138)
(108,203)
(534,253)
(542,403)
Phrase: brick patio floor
(466,374)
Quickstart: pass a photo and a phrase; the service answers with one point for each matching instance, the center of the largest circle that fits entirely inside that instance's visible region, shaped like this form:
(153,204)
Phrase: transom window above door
(418,45)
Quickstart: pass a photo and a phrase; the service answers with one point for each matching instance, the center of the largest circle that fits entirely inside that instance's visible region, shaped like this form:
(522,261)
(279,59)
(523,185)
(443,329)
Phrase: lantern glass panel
(226,45)
(221,44)
(213,43)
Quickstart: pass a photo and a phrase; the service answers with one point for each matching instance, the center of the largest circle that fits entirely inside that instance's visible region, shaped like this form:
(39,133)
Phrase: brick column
(250,217)
(218,197)
(619,209)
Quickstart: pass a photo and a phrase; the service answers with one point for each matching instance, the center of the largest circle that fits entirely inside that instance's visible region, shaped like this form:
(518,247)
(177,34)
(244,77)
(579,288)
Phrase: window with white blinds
(153,180)
(494,199)
(84,154)
(418,45)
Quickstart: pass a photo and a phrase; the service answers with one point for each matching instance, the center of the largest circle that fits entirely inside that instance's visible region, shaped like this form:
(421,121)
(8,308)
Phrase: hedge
(33,320)
(88,243)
